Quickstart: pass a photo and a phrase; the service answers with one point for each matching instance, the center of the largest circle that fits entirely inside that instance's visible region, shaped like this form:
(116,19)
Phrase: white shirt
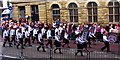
(66,36)
(34,32)
(43,30)
(57,30)
(27,34)
(39,37)
(57,38)
(54,25)
(79,40)
(105,38)
(12,32)
(5,33)
(60,29)
(48,34)
(19,35)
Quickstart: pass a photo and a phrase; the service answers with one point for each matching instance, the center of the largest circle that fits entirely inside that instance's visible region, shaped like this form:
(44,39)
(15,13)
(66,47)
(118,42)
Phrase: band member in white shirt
(49,37)
(66,40)
(91,35)
(12,35)
(6,37)
(35,35)
(57,43)
(106,42)
(79,43)
(27,37)
(20,37)
(41,42)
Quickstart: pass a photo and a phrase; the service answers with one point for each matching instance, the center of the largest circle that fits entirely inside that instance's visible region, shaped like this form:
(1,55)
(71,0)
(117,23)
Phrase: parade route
(31,52)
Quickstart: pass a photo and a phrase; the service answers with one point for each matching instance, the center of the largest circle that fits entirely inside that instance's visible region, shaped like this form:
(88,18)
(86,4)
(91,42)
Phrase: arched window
(55,12)
(92,12)
(73,12)
(114,13)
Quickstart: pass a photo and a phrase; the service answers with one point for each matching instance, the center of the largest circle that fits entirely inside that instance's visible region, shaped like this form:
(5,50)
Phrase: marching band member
(49,38)
(106,42)
(6,37)
(35,35)
(12,35)
(91,36)
(66,40)
(41,42)
(20,37)
(57,43)
(79,43)
(27,37)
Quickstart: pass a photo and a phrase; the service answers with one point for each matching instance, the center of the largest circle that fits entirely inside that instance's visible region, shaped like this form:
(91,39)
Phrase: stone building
(78,11)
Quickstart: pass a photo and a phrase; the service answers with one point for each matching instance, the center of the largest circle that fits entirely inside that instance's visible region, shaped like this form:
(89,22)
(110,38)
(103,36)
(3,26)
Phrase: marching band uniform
(27,37)
(6,37)
(35,35)
(20,37)
(91,35)
(41,43)
(57,43)
(43,32)
(79,42)
(12,35)
(65,40)
(106,42)
(49,38)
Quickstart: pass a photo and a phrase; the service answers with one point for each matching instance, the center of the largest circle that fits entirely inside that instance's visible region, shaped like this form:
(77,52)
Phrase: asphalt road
(30,53)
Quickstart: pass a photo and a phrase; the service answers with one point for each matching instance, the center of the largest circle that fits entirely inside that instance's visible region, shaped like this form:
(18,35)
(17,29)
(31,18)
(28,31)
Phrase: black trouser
(41,45)
(27,40)
(106,46)
(13,39)
(49,42)
(58,46)
(35,38)
(66,42)
(79,47)
(20,42)
(7,39)
(89,41)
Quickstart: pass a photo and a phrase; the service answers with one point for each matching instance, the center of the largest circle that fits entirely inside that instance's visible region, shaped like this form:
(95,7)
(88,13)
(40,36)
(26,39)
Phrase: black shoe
(75,54)
(90,47)
(30,45)
(108,51)
(3,45)
(60,52)
(14,43)
(23,48)
(54,51)
(10,46)
(69,47)
(44,51)
(38,49)
(101,49)
(17,47)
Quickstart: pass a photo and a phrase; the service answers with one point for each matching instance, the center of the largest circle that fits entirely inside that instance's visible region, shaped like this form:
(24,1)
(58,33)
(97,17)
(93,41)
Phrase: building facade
(78,11)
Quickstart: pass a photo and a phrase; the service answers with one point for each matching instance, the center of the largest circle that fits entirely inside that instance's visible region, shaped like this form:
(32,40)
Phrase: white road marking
(7,56)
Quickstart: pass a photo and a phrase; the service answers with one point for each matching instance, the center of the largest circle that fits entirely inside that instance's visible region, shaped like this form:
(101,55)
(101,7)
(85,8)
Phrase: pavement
(30,53)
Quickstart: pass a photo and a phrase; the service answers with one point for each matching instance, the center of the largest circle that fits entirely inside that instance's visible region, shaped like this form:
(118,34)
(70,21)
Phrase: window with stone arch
(114,11)
(55,12)
(92,12)
(73,12)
